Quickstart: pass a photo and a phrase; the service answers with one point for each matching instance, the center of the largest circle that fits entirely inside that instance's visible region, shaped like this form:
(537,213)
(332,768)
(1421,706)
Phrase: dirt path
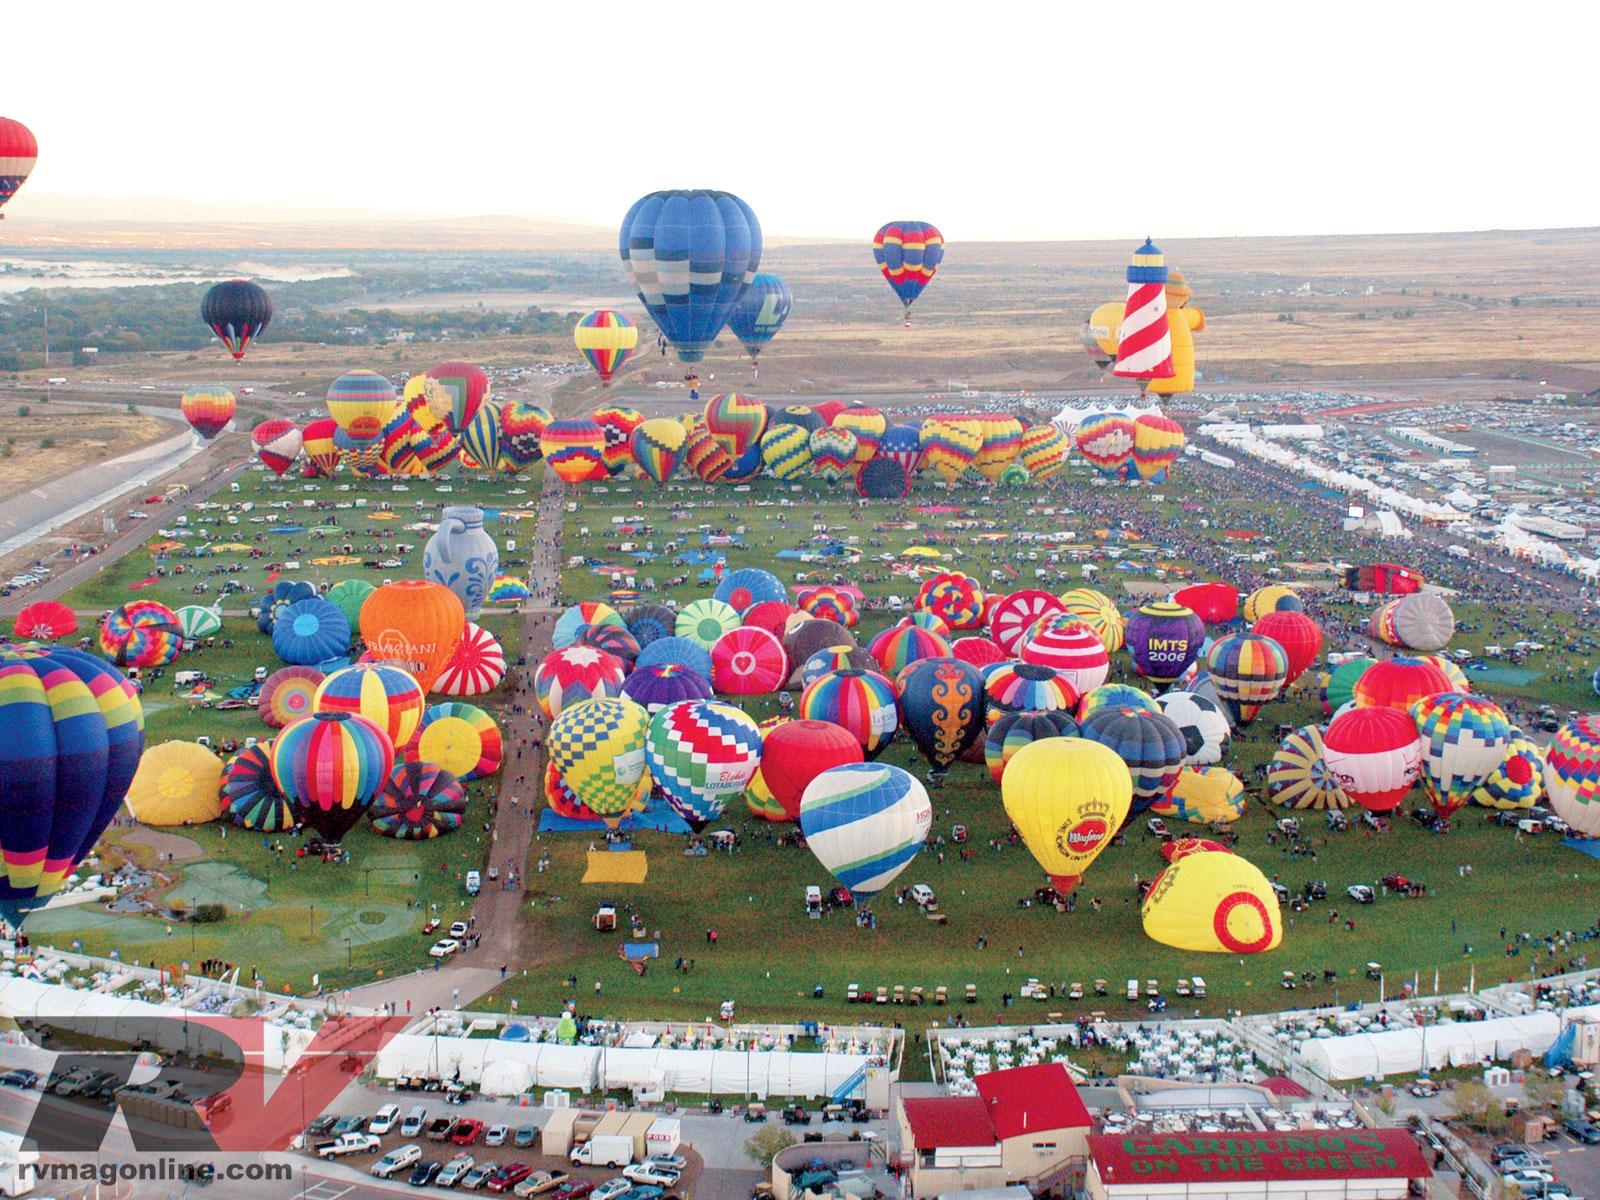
(497,914)
(169,847)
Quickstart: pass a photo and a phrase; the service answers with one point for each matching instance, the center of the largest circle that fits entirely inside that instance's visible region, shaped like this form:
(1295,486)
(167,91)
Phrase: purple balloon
(1164,639)
(659,684)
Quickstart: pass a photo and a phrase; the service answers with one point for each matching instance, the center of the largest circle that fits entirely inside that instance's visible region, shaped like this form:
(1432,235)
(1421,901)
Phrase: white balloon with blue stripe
(865,822)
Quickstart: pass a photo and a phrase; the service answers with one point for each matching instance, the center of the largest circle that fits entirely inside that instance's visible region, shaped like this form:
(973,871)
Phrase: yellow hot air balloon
(1213,902)
(178,783)
(1099,612)
(1067,797)
(1204,795)
(1103,332)
(1183,323)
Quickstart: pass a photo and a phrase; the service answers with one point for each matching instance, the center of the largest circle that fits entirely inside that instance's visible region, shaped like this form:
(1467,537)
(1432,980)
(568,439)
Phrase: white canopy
(1456,1044)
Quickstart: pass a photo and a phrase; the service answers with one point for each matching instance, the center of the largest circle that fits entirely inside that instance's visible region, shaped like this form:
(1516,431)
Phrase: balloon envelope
(865,822)
(1067,798)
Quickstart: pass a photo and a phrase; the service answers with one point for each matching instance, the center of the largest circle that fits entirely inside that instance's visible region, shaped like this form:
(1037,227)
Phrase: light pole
(349,953)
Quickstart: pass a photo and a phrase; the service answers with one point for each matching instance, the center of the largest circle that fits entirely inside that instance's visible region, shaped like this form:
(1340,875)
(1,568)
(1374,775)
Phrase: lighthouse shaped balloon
(462,556)
(1144,351)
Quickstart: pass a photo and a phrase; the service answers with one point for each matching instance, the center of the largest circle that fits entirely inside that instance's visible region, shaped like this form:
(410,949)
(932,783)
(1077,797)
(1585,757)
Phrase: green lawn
(769,955)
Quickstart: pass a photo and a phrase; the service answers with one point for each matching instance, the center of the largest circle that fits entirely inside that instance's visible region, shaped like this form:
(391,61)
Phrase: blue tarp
(634,951)
(658,818)
(287,529)
(1589,846)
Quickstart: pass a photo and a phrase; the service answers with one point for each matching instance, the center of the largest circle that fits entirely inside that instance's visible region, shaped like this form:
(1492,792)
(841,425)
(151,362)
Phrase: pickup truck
(439,1129)
(349,1143)
(397,1160)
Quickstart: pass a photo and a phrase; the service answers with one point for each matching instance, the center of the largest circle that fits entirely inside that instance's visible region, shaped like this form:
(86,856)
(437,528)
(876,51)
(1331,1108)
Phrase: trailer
(555,1139)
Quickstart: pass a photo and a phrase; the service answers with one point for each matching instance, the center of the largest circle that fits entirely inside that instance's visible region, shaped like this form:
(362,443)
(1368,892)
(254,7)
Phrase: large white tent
(1402,1051)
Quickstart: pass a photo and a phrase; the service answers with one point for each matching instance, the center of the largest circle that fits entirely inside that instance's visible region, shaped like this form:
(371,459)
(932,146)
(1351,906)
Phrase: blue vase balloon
(462,556)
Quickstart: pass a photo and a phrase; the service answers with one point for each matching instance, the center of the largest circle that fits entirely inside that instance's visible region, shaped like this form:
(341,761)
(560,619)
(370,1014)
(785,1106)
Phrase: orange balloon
(416,624)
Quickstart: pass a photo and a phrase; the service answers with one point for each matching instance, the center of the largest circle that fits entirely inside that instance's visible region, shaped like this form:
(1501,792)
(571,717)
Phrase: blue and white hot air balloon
(865,822)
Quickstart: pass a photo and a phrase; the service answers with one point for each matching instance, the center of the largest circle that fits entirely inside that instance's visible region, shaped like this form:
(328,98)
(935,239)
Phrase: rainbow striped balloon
(1157,443)
(330,766)
(1106,440)
(461,738)
(1572,774)
(606,338)
(387,696)
(737,422)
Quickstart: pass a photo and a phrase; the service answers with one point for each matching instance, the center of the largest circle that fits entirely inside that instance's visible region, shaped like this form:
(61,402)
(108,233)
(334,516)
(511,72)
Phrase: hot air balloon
(647,622)
(1213,603)
(1572,774)
(1518,781)
(747,587)
(1164,639)
(237,311)
(18,153)
(1338,686)
(522,425)
(1144,341)
(310,631)
(806,635)
(287,695)
(828,603)
(198,621)
(574,620)
(1272,598)
(1421,622)
(908,253)
(865,822)
(461,738)
(685,652)
(178,783)
(480,440)
(656,687)
(691,255)
(141,633)
(385,695)
(786,451)
(706,620)
(74,736)
(414,624)
(949,446)
(1096,610)
(454,391)
(862,702)
(1014,730)
(599,748)
(1067,797)
(1204,795)
(361,403)
(575,673)
(833,453)
(617,424)
(903,444)
(277,444)
(701,754)
(1202,722)
(867,425)
(1298,634)
(1028,687)
(796,752)
(1298,775)
(1157,444)
(348,595)
(900,645)
(1106,441)
(318,442)
(704,455)
(1017,613)
(1398,683)
(1043,451)
(1151,745)
(1112,695)
(419,800)
(274,602)
(748,661)
(736,422)
(44,621)
(1215,904)
(250,797)
(1463,739)
(330,766)
(836,658)
(942,709)
(207,409)
(954,597)
(574,448)
(1071,648)
(1374,755)
(1100,333)
(606,338)
(760,313)
(476,666)
(1248,671)
(657,447)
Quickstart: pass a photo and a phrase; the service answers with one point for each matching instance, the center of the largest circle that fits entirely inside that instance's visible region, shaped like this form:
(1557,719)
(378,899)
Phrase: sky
(1000,121)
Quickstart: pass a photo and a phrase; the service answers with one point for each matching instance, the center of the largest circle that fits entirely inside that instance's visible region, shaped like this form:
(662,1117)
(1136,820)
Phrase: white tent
(1401,1051)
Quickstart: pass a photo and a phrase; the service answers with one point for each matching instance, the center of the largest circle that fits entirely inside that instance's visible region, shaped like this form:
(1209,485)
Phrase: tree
(1476,1107)
(1544,1091)
(767,1142)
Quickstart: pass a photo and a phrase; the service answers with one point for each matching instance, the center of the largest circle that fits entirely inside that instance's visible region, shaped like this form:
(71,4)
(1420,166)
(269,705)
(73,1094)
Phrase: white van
(813,901)
(384,1119)
(474,883)
(1199,984)
(416,1118)
(397,1160)
(922,896)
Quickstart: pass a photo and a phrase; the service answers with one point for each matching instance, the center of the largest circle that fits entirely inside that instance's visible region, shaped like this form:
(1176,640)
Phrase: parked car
(385,1119)
(508,1176)
(526,1135)
(676,1161)
(443,948)
(645,1191)
(497,1135)
(653,1173)
(1360,893)
(1527,1179)
(541,1182)
(397,1160)
(451,1173)
(349,1124)
(612,1188)
(573,1189)
(466,1131)
(458,929)
(423,1173)
(20,1078)
(1584,1130)
(479,1175)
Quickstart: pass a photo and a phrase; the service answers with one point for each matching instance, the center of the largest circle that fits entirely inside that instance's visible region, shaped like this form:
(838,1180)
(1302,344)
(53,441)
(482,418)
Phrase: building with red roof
(1026,1125)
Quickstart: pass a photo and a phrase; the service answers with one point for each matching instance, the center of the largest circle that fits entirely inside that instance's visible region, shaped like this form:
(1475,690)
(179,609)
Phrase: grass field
(769,955)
